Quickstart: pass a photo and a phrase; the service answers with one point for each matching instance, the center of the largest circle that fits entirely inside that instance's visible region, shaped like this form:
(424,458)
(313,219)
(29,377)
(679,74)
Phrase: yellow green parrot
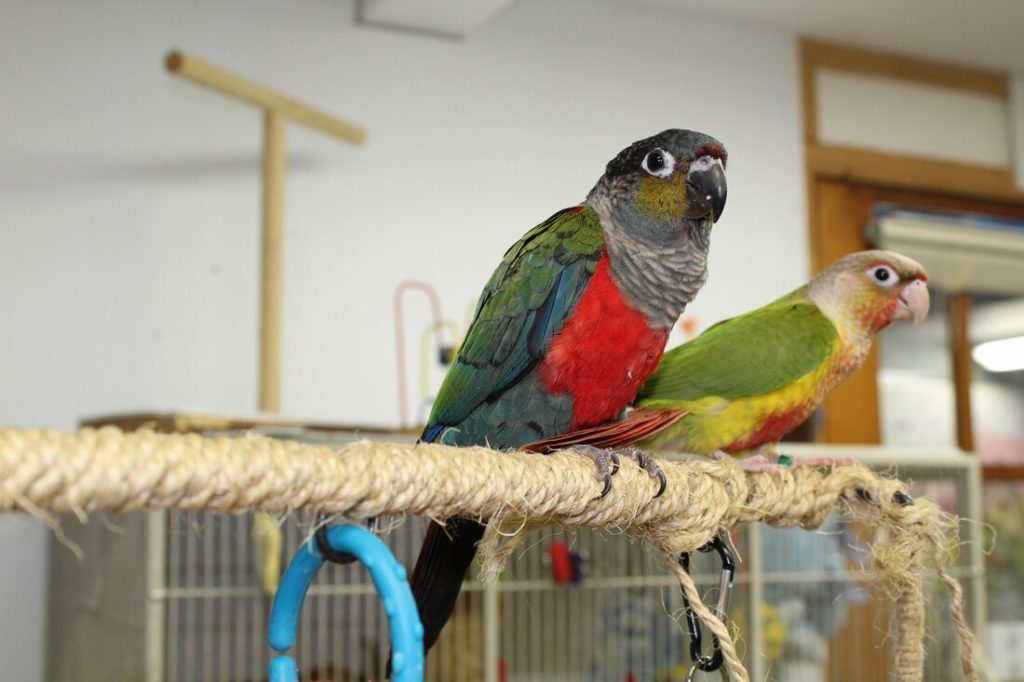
(746,382)
(743,384)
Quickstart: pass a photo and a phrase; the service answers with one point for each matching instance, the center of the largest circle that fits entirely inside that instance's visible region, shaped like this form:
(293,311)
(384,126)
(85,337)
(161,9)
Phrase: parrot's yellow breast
(742,425)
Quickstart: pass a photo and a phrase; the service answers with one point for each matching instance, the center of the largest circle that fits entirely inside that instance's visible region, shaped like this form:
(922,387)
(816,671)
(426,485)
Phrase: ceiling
(984,33)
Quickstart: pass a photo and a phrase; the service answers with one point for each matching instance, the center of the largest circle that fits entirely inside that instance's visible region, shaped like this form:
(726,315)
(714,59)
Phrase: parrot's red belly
(603,354)
(774,427)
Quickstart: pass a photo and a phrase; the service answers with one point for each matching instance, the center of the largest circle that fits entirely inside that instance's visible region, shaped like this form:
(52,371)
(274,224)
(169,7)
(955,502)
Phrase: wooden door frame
(843,180)
(865,166)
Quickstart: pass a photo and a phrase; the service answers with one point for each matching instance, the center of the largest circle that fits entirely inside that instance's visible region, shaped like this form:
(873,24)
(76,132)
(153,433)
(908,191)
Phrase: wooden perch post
(277,109)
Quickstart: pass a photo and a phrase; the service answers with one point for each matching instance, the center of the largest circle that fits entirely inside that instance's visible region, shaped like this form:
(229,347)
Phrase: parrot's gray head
(657,201)
(663,186)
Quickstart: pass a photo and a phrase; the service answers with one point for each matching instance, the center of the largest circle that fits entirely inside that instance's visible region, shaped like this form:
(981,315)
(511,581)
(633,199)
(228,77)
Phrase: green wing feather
(755,353)
(527,300)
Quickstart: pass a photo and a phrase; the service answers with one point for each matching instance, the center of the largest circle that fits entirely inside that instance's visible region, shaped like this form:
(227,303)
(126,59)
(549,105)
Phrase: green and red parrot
(743,384)
(571,323)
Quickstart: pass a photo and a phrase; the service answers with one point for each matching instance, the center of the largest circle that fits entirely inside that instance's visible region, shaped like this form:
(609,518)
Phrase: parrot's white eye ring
(883,276)
(659,163)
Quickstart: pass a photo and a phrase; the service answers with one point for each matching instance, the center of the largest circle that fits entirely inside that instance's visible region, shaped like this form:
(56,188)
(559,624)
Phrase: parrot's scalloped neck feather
(658,280)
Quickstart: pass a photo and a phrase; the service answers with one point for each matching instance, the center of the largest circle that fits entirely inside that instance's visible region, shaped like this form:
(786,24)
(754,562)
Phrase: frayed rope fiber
(47,472)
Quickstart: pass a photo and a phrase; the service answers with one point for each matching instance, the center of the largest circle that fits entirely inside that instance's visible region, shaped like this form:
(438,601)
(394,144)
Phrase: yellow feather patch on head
(663,198)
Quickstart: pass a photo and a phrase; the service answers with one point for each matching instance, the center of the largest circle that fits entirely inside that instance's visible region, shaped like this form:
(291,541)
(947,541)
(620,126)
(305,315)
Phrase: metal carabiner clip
(714,661)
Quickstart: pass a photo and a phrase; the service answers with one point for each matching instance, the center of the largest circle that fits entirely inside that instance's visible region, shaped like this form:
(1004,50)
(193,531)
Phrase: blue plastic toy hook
(389,578)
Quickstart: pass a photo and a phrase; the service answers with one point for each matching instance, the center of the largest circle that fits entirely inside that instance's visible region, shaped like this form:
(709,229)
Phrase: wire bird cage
(169,597)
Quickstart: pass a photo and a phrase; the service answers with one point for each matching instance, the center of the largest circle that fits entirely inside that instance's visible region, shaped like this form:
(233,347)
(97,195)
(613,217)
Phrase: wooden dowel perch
(47,472)
(277,109)
(272,279)
(228,83)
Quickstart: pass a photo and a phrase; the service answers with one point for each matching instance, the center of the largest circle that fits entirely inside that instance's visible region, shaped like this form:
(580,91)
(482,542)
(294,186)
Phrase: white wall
(129,199)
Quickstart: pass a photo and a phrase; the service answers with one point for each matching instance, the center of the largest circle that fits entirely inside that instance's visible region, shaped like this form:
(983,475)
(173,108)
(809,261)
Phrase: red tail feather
(638,425)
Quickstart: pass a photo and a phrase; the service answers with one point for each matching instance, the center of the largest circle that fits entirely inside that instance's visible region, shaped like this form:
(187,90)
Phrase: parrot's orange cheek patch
(879,317)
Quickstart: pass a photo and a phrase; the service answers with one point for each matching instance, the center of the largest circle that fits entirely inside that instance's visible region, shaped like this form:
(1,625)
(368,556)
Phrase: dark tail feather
(444,560)
(639,424)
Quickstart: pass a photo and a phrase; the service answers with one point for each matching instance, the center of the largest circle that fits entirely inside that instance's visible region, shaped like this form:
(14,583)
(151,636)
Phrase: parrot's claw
(613,458)
(606,461)
(644,461)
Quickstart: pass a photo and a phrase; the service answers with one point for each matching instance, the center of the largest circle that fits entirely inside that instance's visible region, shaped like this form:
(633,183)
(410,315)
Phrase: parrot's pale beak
(706,190)
(914,302)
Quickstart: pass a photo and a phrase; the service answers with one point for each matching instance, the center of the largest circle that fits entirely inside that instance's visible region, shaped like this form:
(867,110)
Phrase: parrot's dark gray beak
(706,189)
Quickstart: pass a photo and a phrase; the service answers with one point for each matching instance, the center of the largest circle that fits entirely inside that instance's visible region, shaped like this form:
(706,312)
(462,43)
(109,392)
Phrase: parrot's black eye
(659,163)
(883,275)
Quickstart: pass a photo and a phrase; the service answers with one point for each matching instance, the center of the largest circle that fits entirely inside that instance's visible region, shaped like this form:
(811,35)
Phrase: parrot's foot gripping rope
(47,472)
(607,462)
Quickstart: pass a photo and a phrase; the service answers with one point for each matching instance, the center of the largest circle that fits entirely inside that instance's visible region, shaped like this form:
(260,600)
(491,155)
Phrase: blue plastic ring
(388,576)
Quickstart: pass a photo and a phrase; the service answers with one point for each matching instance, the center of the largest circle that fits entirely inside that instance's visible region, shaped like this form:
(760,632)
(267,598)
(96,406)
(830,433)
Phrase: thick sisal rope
(47,472)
